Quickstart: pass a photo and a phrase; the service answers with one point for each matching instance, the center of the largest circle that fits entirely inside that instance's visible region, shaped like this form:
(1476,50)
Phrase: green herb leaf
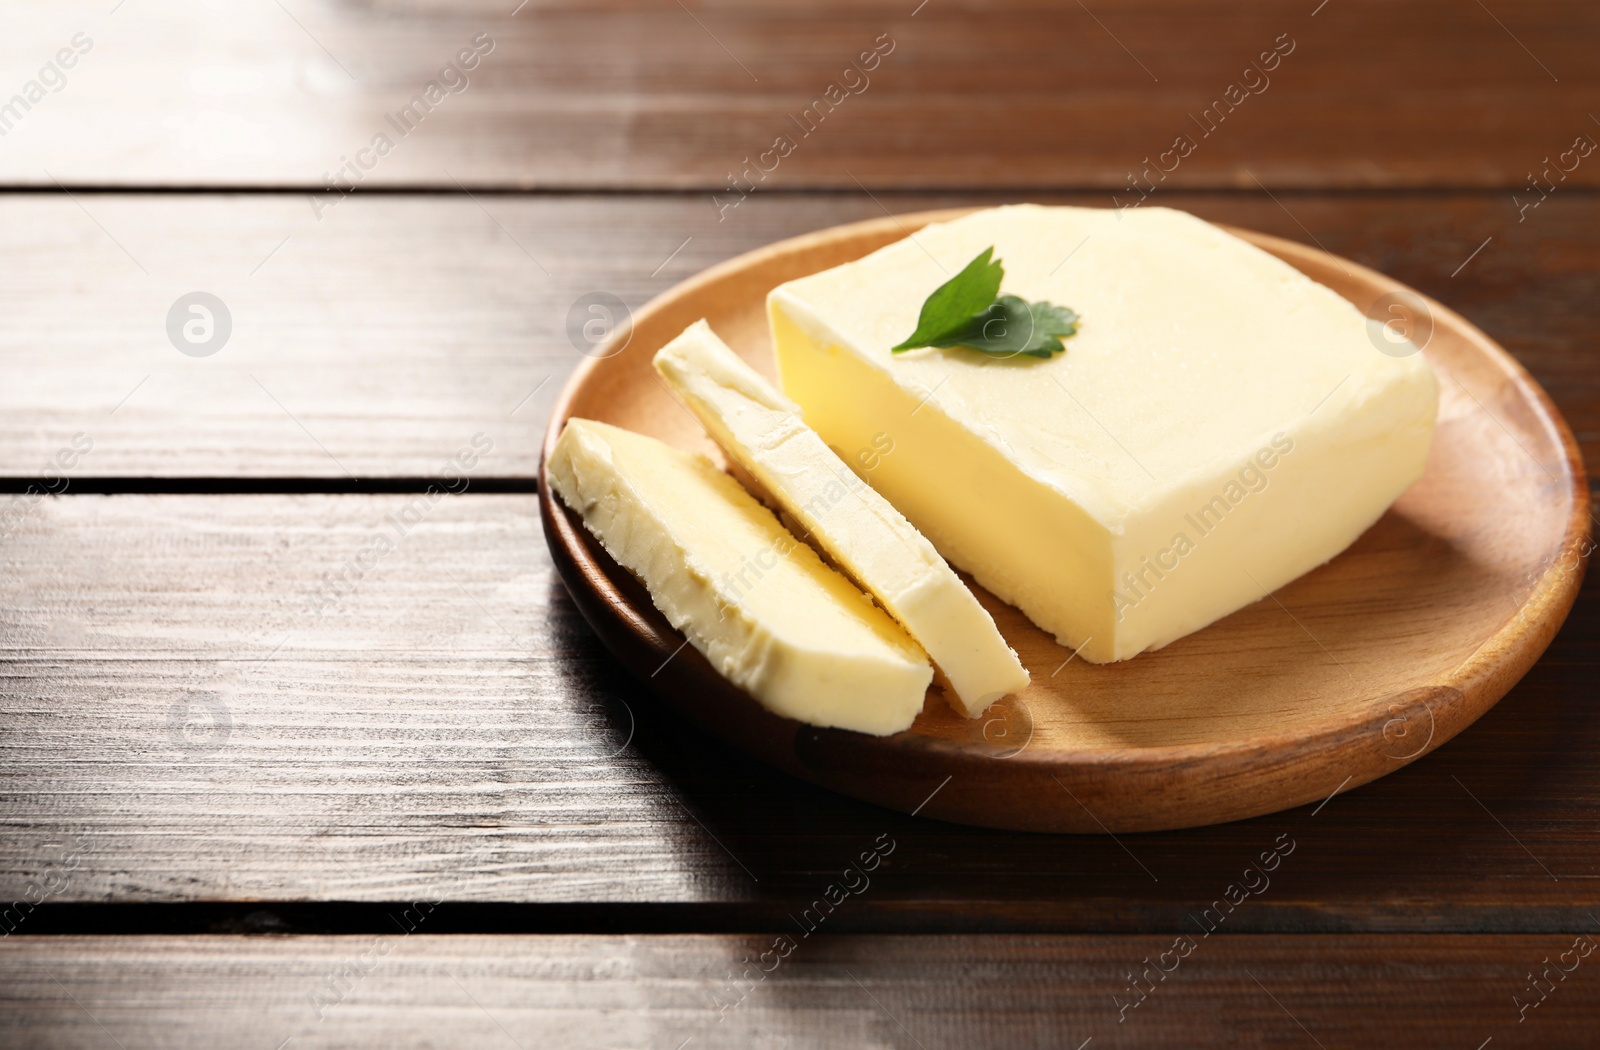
(967,311)
(1011,326)
(955,301)
(1051,324)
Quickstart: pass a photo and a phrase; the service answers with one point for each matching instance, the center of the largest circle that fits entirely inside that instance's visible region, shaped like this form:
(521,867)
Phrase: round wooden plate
(1342,676)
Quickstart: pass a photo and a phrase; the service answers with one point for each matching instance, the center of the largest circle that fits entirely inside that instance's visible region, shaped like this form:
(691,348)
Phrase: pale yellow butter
(760,605)
(1220,425)
(861,532)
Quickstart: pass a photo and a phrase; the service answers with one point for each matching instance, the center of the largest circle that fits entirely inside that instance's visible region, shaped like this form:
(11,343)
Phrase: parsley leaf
(954,302)
(968,311)
(1012,325)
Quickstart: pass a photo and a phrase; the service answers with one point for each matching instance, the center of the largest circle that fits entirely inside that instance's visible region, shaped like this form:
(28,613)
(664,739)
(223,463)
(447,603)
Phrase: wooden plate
(1342,676)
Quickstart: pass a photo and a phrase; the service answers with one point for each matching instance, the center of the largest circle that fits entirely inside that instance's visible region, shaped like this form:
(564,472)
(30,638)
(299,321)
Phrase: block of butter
(1219,425)
(862,534)
(760,605)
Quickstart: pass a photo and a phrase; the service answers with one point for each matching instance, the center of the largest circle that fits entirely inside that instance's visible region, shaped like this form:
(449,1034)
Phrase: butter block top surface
(1193,347)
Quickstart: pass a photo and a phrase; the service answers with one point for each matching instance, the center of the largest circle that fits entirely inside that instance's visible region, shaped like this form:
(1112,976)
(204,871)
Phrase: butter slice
(1220,425)
(859,530)
(760,605)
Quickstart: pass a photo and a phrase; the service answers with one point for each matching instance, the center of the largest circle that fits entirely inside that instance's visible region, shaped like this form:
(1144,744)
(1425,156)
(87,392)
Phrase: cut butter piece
(760,605)
(1219,425)
(859,530)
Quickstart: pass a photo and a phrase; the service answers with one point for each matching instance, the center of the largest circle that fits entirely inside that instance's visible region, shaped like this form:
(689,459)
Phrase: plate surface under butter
(1343,675)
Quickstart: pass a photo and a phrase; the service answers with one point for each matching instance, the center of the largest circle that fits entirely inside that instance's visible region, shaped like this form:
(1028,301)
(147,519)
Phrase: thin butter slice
(1220,424)
(859,530)
(761,606)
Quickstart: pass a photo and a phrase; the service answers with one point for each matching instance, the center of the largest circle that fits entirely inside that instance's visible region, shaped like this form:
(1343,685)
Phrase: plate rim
(1473,688)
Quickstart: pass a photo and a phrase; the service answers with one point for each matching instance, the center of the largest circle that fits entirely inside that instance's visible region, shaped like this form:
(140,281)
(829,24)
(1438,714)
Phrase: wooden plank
(379,339)
(178,723)
(645,95)
(373,343)
(671,991)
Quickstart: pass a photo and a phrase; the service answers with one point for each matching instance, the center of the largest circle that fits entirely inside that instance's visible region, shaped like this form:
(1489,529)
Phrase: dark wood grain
(451,730)
(198,731)
(667,991)
(647,95)
(381,338)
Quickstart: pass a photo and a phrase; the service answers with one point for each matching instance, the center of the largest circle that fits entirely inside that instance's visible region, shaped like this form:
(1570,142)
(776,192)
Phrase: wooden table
(263,788)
